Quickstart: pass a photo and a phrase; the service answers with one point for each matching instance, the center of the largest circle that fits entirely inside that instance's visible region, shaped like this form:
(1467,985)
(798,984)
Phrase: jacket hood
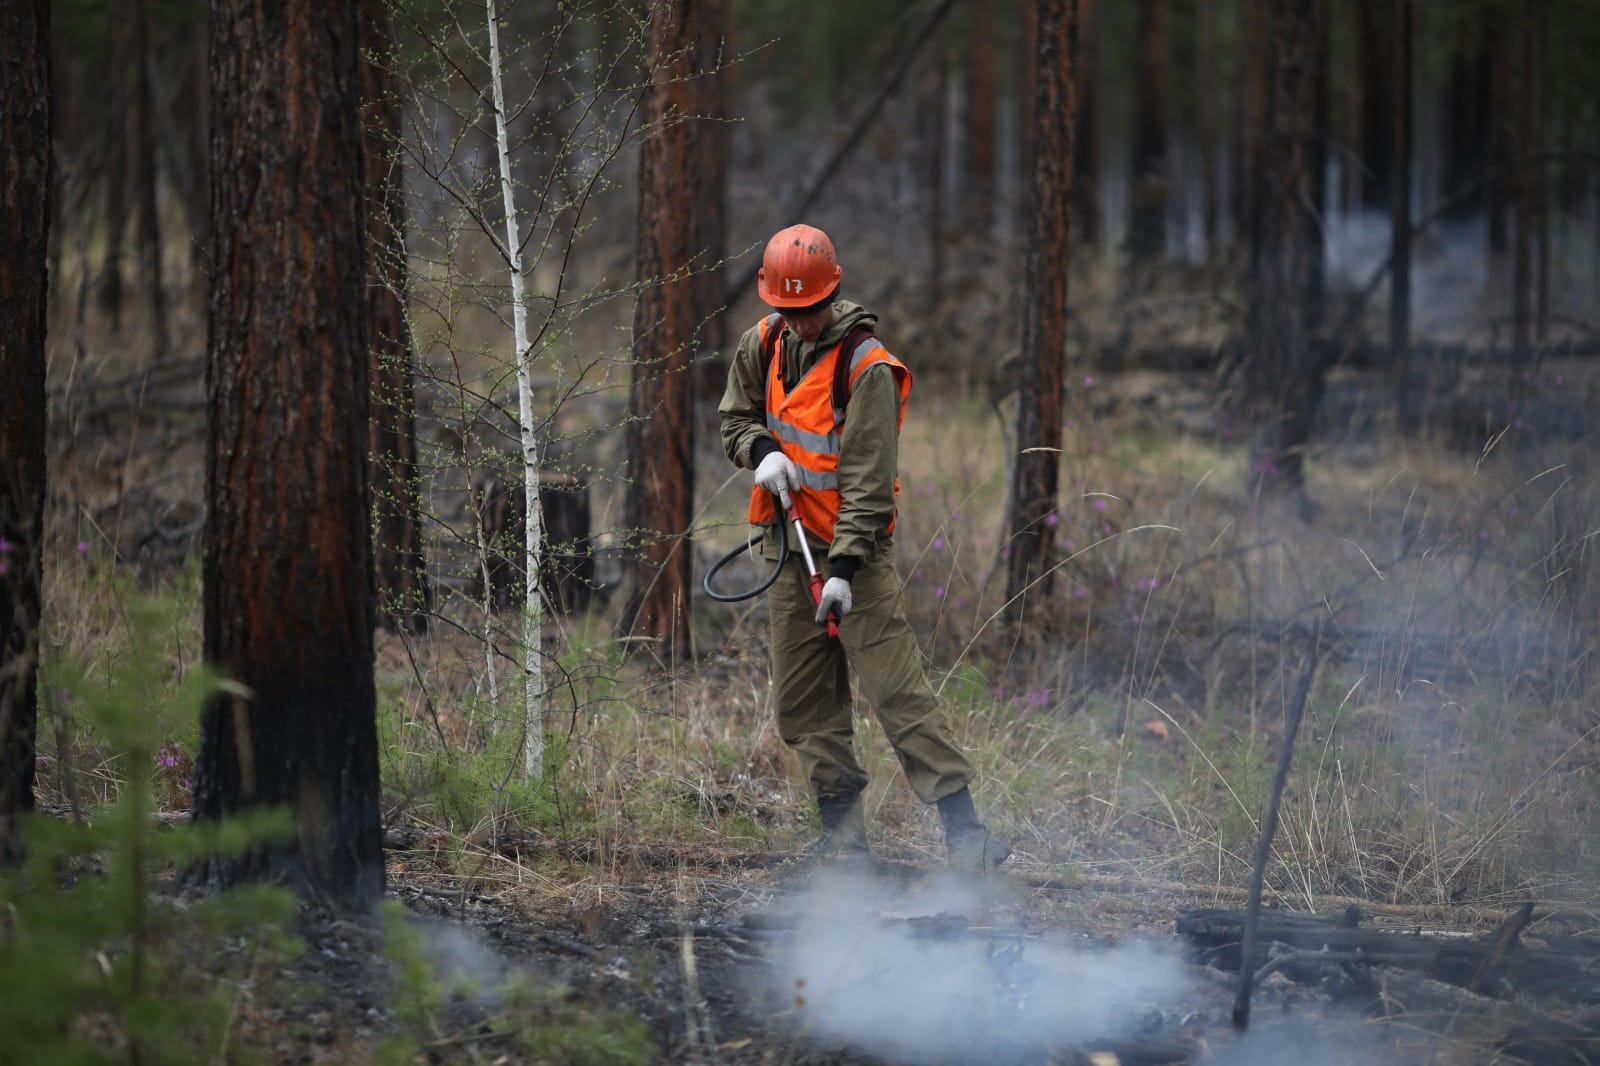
(851,314)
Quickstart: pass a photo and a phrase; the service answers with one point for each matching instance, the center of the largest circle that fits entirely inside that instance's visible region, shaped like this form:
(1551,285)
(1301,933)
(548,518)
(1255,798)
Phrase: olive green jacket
(869,446)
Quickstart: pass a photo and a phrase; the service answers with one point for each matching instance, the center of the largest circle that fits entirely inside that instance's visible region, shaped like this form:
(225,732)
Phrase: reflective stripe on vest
(809,428)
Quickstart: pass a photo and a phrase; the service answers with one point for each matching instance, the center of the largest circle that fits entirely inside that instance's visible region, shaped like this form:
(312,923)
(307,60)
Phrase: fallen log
(1500,964)
(1515,1029)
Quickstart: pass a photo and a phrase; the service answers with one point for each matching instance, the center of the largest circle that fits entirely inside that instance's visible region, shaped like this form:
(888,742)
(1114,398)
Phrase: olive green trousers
(811,683)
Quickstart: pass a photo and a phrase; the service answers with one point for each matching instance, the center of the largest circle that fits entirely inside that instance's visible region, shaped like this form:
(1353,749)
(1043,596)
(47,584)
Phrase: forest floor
(714,956)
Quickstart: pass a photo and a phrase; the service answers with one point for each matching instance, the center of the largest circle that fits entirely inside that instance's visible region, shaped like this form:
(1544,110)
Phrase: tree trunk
(144,171)
(1317,175)
(1377,107)
(25,196)
(660,497)
(1503,120)
(404,597)
(1253,81)
(938,151)
(1523,185)
(982,100)
(1147,169)
(1289,377)
(115,174)
(1400,224)
(1206,134)
(714,48)
(1085,157)
(1036,467)
(288,610)
(1468,120)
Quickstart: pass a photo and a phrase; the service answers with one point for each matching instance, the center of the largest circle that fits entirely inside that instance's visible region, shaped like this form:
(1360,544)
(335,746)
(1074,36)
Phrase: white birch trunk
(532,605)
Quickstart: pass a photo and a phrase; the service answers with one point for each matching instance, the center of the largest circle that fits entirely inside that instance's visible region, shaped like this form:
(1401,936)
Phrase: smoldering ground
(915,974)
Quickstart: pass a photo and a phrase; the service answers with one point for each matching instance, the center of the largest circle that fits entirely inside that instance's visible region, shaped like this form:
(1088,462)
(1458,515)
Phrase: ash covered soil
(761,960)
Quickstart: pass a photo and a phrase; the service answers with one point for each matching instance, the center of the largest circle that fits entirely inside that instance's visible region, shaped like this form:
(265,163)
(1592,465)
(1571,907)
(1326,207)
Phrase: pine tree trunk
(1289,377)
(144,171)
(1400,225)
(1085,155)
(26,188)
(982,101)
(404,597)
(115,175)
(1377,106)
(1205,86)
(1036,466)
(1253,80)
(660,496)
(288,610)
(1522,186)
(1148,179)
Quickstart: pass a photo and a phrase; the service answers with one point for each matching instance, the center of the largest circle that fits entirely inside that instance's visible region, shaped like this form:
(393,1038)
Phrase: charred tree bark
(1206,134)
(1289,373)
(1253,82)
(1400,225)
(982,100)
(1035,471)
(1377,107)
(1147,170)
(115,176)
(404,597)
(1468,118)
(1524,184)
(25,196)
(659,504)
(144,173)
(938,94)
(288,612)
(1085,157)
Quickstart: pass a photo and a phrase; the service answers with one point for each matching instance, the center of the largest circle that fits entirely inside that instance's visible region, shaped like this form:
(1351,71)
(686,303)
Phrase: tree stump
(566,566)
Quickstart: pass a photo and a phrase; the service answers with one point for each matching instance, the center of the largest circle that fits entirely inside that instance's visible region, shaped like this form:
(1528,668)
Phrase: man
(814,405)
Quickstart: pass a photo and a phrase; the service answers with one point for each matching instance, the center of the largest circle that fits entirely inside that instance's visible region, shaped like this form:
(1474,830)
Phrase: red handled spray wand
(813,577)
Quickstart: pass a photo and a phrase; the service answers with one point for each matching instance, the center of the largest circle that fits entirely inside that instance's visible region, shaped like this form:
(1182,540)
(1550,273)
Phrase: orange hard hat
(799,268)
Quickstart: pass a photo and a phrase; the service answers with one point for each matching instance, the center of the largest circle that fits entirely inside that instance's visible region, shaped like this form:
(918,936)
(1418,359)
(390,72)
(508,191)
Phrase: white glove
(835,598)
(777,473)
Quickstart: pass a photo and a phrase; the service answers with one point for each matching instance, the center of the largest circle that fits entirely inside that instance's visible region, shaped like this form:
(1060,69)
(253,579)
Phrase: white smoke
(912,974)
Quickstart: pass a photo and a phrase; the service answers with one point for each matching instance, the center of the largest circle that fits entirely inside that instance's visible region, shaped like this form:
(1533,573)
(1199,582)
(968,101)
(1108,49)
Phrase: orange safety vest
(808,424)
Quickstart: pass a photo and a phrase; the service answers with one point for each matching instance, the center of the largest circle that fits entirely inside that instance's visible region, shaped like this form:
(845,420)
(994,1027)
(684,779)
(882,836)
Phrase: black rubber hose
(737,597)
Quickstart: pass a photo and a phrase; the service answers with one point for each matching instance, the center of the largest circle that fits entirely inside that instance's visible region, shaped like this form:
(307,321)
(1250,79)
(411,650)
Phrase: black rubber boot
(972,848)
(844,828)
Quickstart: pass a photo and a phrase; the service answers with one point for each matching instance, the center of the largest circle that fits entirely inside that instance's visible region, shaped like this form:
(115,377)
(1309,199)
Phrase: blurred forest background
(1314,333)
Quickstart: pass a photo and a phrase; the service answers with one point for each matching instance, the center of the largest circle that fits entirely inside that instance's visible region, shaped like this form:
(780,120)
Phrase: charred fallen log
(1501,963)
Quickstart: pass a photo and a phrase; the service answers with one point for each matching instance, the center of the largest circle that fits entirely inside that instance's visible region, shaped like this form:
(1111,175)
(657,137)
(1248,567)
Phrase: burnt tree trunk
(1085,157)
(1524,184)
(404,598)
(114,177)
(566,565)
(288,604)
(143,141)
(938,149)
(1289,374)
(25,197)
(1400,224)
(1206,134)
(983,85)
(1253,82)
(1317,174)
(659,503)
(1376,144)
(1035,471)
(1147,170)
